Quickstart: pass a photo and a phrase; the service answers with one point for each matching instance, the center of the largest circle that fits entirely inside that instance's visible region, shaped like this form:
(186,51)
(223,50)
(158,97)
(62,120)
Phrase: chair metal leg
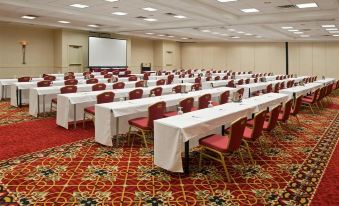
(200,160)
(222,160)
(84,121)
(144,137)
(129,135)
(311,108)
(249,152)
(296,117)
(242,159)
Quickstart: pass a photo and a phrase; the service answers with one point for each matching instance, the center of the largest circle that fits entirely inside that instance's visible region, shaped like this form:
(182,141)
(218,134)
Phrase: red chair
(115,72)
(225,77)
(144,125)
(99,87)
(197,80)
(170,79)
(217,78)
(296,108)
(135,94)
(230,84)
(203,101)
(145,77)
(160,82)
(208,79)
(195,87)
(282,85)
(177,89)
(92,81)
(276,88)
(285,113)
(241,92)
(222,144)
(182,76)
(191,75)
(44,83)
(50,78)
(24,79)
(119,85)
(63,90)
(103,72)
(157,91)
(108,76)
(139,83)
(223,98)
(321,96)
(69,77)
(268,89)
(240,82)
(102,98)
(185,104)
(251,134)
(311,99)
(247,81)
(71,82)
(132,78)
(69,74)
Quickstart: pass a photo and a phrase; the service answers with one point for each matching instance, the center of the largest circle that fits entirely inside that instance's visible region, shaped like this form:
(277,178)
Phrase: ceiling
(206,20)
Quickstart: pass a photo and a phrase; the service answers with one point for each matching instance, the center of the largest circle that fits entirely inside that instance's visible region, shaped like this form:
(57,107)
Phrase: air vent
(141,17)
(288,6)
(305,29)
(170,14)
(327,35)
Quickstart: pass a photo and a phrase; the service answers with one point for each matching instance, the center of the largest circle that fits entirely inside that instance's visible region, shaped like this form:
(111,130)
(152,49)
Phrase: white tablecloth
(326,81)
(171,133)
(109,117)
(301,90)
(249,88)
(66,102)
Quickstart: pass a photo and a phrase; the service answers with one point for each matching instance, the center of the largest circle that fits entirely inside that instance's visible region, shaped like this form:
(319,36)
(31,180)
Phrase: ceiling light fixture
(304,36)
(251,10)
(333,32)
(331,29)
(205,30)
(328,26)
(184,38)
(180,17)
(240,32)
(149,33)
(80,6)
(29,17)
(119,13)
(235,37)
(64,22)
(335,35)
(150,19)
(248,34)
(224,1)
(307,5)
(298,32)
(149,9)
(293,30)
(111,0)
(170,36)
(93,25)
(161,35)
(287,27)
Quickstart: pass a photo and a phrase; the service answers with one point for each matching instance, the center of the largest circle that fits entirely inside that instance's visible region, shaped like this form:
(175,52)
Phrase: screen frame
(107,66)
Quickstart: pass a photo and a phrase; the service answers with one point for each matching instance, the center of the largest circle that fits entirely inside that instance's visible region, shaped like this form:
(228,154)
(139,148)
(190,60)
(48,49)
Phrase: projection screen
(105,52)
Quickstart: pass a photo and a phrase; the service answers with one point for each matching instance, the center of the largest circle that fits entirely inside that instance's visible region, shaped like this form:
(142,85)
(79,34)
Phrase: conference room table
(111,119)
(20,90)
(296,91)
(177,134)
(70,107)
(326,81)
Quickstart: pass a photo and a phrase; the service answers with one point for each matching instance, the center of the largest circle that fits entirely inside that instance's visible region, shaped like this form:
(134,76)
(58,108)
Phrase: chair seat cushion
(141,122)
(170,114)
(306,100)
(194,109)
(265,126)
(216,142)
(90,110)
(54,100)
(248,133)
(281,116)
(215,103)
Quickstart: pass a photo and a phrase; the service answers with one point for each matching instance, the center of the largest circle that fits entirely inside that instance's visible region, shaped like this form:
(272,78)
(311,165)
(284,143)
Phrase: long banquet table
(112,118)
(294,92)
(172,133)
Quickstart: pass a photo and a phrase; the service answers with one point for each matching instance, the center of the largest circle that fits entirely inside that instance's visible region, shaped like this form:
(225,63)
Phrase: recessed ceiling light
(298,32)
(334,32)
(287,27)
(184,38)
(258,37)
(170,36)
(251,10)
(149,33)
(150,19)
(293,30)
(235,37)
(231,29)
(64,22)
(205,30)
(149,9)
(215,33)
(111,0)
(248,34)
(328,26)
(307,5)
(240,32)
(304,36)
(180,17)
(119,13)
(80,6)
(161,35)
(224,34)
(93,25)
(331,29)
(29,17)
(223,1)
(335,35)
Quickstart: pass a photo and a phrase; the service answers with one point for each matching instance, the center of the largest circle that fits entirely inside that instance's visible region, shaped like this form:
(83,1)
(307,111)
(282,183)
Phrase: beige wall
(257,57)
(141,52)
(315,58)
(39,51)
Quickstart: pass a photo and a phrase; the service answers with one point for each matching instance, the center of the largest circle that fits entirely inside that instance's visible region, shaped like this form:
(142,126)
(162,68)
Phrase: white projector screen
(104,52)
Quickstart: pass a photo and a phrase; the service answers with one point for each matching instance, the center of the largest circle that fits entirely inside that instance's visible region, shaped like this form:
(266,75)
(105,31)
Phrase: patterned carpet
(86,173)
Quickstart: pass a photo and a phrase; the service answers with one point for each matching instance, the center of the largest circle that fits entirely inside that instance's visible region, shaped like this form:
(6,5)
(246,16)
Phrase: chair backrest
(276,88)
(71,82)
(315,96)
(297,105)
(272,122)
(24,79)
(177,89)
(329,89)
(322,93)
(217,78)
(197,80)
(50,78)
(241,91)
(247,81)
(236,133)
(203,101)
(44,83)
(156,111)
(195,86)
(225,77)
(92,81)
(119,85)
(255,80)
(191,75)
(230,84)
(132,78)
(282,85)
(170,79)
(182,76)
(208,79)
(98,87)
(68,89)
(258,124)
(187,104)
(139,83)
(107,76)
(269,88)
(69,77)
(160,82)
(86,73)
(240,82)
(157,91)
(224,97)
(277,78)
(135,94)
(103,72)
(287,110)
(105,97)
(145,77)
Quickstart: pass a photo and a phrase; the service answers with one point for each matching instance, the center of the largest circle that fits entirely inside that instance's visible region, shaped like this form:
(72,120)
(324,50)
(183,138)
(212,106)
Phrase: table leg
(187,158)
(223,130)
(17,97)
(43,105)
(20,97)
(3,92)
(75,117)
(117,131)
(38,106)
(249,92)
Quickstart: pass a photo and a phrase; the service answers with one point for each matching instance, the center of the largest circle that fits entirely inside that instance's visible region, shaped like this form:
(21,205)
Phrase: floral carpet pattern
(86,173)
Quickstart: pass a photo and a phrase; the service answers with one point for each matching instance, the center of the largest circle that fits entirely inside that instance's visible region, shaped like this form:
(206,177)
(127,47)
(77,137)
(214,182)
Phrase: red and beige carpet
(62,167)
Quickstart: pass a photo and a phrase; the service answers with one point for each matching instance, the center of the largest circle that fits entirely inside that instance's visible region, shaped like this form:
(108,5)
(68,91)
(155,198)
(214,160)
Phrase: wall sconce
(23,47)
